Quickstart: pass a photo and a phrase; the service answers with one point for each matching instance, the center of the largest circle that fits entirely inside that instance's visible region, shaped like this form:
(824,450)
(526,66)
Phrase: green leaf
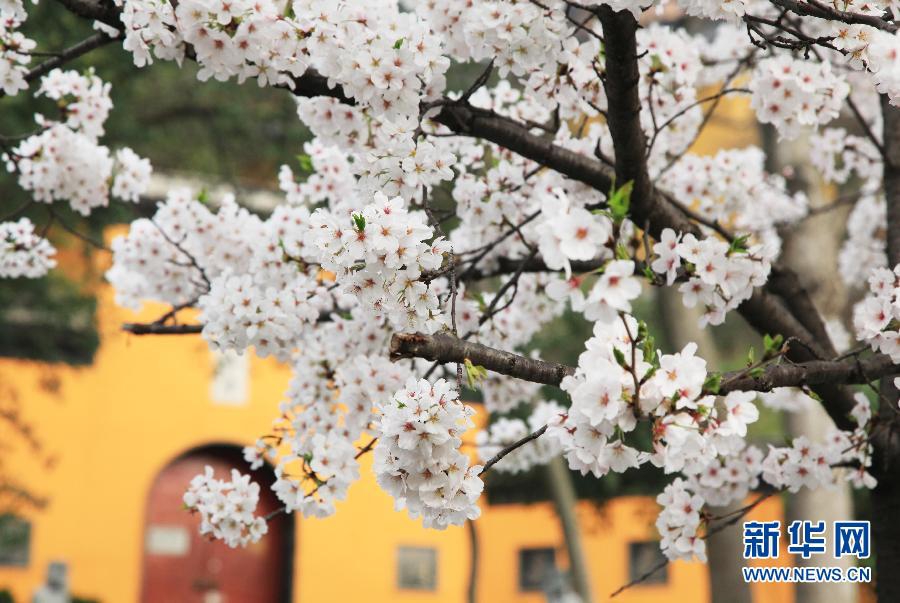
(305,161)
(713,383)
(620,357)
(772,344)
(643,331)
(203,196)
(751,356)
(648,347)
(474,373)
(739,244)
(620,200)
(757,372)
(398,43)
(360,221)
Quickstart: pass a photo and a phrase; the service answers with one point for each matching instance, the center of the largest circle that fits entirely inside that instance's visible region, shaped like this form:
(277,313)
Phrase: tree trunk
(565,500)
(885,498)
(886,464)
(725,548)
(811,249)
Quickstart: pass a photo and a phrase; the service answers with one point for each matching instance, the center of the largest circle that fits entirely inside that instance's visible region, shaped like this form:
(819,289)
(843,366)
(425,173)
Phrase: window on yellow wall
(15,541)
(644,557)
(536,567)
(416,568)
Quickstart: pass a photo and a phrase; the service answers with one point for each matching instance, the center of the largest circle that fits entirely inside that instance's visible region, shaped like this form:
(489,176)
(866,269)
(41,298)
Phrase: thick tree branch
(813,8)
(445,348)
(812,373)
(104,11)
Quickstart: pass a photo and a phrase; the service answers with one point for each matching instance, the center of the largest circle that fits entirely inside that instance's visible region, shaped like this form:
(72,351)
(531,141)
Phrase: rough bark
(886,464)
(445,348)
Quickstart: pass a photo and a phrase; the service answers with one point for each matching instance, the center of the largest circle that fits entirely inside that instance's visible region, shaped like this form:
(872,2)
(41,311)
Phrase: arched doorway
(180,565)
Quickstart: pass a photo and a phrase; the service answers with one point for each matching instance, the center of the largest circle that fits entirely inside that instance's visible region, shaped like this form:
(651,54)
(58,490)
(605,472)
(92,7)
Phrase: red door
(180,566)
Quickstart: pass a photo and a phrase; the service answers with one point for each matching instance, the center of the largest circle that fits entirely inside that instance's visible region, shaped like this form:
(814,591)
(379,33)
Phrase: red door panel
(180,566)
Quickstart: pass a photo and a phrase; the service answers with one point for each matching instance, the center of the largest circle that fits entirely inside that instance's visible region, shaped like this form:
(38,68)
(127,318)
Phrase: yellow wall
(116,424)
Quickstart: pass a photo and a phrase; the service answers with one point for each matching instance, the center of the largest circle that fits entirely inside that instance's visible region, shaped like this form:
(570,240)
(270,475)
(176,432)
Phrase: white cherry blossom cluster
(731,10)
(402,166)
(312,482)
(733,189)
(617,384)
(843,456)
(379,254)
(719,276)
(227,508)
(396,60)
(728,478)
(335,123)
(363,382)
(679,523)
(132,175)
(418,459)
(793,94)
(670,67)
(841,155)
(506,431)
(24,253)
(64,161)
(15,49)
(571,233)
(239,312)
(169,258)
(876,319)
(520,37)
(83,100)
(339,376)
(865,244)
(65,165)
(331,182)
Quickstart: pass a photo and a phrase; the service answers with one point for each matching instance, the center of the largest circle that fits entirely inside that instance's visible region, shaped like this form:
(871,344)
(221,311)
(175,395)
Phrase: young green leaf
(620,200)
(474,373)
(713,383)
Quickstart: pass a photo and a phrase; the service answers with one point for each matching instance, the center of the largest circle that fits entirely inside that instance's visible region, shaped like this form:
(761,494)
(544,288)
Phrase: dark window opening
(536,566)
(15,541)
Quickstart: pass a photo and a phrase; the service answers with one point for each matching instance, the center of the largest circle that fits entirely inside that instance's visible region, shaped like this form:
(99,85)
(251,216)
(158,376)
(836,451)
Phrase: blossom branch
(445,348)
(814,8)
(517,444)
